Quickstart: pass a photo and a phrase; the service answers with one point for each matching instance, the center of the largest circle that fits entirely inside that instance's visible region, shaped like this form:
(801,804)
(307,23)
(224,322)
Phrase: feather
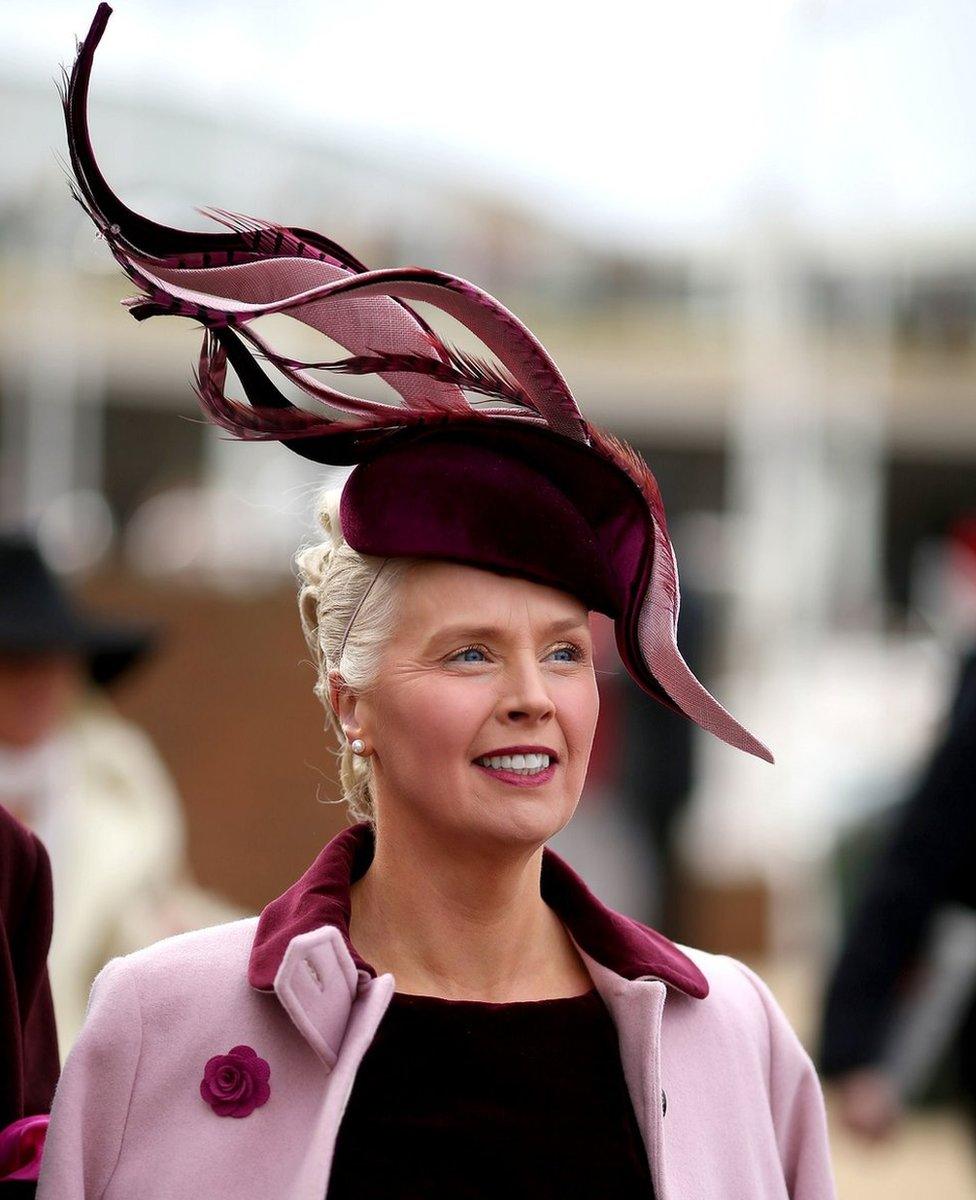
(632,464)
(466,371)
(666,587)
(228,280)
(130,235)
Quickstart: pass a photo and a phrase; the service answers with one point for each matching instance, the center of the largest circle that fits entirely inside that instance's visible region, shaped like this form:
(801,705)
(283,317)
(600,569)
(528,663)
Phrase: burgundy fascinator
(522,484)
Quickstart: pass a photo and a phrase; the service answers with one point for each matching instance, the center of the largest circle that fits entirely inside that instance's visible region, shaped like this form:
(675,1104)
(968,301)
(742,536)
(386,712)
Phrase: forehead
(440,594)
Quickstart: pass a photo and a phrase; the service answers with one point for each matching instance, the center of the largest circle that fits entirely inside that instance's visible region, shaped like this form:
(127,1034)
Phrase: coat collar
(321,897)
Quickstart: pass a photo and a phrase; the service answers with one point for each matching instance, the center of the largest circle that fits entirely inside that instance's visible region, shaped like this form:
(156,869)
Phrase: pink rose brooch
(236,1083)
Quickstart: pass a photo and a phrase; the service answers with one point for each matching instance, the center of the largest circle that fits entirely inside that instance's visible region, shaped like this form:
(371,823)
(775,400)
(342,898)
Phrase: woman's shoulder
(728,977)
(740,999)
(209,957)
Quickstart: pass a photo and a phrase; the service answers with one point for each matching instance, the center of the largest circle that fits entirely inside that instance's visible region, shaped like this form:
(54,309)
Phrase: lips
(517,780)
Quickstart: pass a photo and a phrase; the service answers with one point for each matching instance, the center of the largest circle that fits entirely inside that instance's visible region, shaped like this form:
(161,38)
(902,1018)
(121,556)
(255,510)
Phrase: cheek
(439,717)
(579,710)
(62,693)
(37,694)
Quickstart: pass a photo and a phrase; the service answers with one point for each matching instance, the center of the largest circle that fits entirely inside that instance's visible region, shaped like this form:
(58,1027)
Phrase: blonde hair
(333,579)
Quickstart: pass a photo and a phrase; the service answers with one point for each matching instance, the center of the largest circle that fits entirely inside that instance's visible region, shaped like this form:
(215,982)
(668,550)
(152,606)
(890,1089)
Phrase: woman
(439,1006)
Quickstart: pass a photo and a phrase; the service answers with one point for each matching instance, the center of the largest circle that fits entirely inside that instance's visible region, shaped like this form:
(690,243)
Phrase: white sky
(646,117)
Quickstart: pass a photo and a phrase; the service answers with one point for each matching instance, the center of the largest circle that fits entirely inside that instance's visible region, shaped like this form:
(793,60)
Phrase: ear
(336,687)
(343,703)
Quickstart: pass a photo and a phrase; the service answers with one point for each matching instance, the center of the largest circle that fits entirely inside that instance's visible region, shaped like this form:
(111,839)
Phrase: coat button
(664,1103)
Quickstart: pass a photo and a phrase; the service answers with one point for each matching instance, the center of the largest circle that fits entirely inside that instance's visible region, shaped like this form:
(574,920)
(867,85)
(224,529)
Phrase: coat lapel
(637,1009)
(317,983)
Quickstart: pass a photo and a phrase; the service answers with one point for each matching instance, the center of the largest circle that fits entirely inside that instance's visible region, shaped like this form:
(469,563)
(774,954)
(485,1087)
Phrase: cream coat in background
(101,800)
(743,1117)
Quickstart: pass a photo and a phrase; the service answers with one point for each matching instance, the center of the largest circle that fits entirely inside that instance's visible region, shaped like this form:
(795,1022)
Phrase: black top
(468,1100)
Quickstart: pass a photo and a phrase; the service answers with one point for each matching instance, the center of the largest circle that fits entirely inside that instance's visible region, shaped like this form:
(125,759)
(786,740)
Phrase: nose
(526,695)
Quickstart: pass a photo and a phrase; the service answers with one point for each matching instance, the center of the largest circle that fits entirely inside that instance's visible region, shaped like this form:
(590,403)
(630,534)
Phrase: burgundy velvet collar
(321,897)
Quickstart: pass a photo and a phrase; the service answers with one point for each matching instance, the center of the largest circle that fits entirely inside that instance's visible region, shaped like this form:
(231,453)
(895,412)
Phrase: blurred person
(904,980)
(29,1059)
(440,1006)
(87,781)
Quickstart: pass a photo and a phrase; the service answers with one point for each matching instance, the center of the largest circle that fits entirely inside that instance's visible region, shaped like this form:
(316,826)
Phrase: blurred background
(747,235)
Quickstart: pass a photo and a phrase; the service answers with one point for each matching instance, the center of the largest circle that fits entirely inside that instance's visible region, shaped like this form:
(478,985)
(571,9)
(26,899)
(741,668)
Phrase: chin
(527,819)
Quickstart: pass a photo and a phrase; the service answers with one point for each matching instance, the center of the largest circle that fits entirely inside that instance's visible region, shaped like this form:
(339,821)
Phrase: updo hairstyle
(333,578)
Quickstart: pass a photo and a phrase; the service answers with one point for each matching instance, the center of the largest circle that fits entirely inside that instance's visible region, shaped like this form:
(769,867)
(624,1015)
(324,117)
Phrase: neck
(460,922)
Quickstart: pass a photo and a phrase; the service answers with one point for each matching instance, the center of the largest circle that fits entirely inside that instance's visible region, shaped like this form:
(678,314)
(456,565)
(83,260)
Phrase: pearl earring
(358,746)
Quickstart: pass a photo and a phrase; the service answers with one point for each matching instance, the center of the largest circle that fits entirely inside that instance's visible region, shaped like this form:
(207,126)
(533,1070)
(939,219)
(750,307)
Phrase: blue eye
(570,650)
(574,652)
(468,650)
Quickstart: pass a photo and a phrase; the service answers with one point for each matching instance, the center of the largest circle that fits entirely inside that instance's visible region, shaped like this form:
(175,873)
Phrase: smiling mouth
(526,762)
(519,778)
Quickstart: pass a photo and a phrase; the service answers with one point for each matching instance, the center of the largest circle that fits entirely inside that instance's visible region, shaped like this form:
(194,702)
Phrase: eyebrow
(463,629)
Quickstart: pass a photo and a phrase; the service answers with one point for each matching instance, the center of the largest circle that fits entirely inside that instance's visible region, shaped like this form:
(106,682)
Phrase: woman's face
(479,663)
(36,694)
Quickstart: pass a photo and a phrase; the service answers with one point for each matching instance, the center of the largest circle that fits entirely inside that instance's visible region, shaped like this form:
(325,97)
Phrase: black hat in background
(37,616)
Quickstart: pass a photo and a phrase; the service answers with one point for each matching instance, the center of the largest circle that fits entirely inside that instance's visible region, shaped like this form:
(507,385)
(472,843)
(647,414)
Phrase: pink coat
(726,1098)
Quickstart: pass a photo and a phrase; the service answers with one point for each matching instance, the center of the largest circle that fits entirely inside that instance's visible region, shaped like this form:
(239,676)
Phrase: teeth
(527,764)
